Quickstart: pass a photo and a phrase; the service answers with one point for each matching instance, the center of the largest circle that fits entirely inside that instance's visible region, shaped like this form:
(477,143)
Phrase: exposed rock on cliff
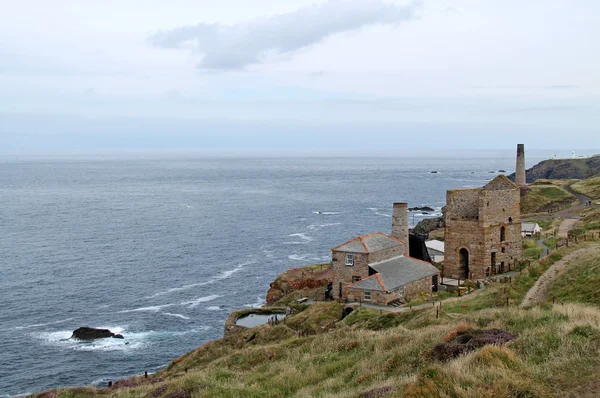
(298,282)
(428,225)
(558,169)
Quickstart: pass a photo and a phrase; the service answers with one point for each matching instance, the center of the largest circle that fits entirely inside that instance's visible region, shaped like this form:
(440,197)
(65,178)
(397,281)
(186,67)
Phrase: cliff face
(558,169)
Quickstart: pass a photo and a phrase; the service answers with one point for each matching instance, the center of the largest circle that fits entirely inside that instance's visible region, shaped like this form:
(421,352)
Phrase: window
(367,295)
(502,234)
(355,279)
(349,259)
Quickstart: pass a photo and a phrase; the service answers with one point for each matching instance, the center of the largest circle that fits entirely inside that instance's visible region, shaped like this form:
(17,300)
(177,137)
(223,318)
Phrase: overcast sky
(102,74)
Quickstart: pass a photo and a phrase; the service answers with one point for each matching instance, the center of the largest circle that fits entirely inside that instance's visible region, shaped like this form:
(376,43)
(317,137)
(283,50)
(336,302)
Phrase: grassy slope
(589,187)
(555,354)
(541,198)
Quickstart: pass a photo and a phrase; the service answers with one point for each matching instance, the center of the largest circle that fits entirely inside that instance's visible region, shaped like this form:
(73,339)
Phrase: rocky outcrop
(87,333)
(423,208)
(470,340)
(424,227)
(296,279)
(559,169)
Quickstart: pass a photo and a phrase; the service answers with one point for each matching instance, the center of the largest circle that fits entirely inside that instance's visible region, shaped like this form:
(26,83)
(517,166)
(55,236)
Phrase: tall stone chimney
(520,177)
(400,222)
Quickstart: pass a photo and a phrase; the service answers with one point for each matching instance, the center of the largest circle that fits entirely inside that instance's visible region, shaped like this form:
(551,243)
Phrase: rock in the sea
(87,333)
(424,208)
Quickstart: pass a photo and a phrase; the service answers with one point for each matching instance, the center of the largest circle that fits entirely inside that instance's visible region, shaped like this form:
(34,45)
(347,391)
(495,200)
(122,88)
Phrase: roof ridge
(363,243)
(380,282)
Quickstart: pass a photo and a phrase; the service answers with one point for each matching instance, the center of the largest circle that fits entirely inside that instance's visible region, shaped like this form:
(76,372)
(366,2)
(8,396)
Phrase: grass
(589,187)
(581,284)
(555,353)
(531,250)
(542,198)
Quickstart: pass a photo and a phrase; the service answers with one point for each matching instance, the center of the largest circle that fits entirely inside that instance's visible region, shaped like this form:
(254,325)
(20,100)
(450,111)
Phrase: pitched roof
(529,226)
(435,245)
(396,272)
(499,183)
(369,243)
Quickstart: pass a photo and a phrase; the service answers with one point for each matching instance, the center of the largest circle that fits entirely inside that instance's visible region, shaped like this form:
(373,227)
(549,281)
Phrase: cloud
(234,47)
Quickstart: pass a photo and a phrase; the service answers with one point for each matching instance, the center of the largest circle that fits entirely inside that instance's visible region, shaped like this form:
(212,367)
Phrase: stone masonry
(483,230)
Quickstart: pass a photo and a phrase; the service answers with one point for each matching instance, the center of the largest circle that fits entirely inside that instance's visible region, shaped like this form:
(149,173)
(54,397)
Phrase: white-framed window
(367,295)
(356,279)
(349,259)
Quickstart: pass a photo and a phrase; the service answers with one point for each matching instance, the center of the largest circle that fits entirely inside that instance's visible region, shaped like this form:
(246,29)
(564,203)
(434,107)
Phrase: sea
(161,248)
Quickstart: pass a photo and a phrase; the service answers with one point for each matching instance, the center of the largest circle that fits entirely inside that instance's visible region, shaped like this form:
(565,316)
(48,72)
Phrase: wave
(302,236)
(214,308)
(153,308)
(259,303)
(181,289)
(37,325)
(377,212)
(222,275)
(132,341)
(196,302)
(176,315)
(327,213)
(314,227)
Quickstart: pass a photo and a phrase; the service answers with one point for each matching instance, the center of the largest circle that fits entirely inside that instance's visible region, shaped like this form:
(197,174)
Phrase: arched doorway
(463,263)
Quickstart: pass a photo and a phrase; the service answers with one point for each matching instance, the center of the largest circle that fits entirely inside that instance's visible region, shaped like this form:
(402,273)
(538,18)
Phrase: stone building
(376,267)
(483,230)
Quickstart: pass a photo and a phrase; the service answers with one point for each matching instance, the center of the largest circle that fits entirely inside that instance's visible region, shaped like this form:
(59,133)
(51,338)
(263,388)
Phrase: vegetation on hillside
(544,198)
(589,187)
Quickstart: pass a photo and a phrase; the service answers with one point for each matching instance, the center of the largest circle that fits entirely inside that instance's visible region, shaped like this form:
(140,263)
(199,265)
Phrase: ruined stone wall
(512,245)
(413,290)
(462,204)
(496,207)
(344,273)
(468,235)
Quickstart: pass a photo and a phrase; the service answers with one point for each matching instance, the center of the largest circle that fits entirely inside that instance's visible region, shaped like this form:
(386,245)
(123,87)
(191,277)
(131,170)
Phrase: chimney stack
(520,176)
(400,222)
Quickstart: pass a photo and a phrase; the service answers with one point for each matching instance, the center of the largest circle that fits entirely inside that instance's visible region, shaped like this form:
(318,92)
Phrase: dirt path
(537,294)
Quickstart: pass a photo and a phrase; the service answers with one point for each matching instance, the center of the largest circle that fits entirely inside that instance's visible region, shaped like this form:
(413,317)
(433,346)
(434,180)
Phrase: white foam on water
(181,289)
(302,236)
(214,308)
(61,339)
(259,303)
(327,213)
(315,227)
(176,315)
(153,308)
(196,302)
(377,213)
(37,325)
(297,257)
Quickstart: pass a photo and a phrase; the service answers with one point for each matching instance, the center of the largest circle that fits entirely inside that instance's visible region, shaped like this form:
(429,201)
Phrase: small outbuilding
(529,229)
(435,248)
(398,279)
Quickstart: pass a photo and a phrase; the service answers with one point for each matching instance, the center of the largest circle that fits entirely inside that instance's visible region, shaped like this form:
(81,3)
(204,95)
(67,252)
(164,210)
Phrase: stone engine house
(483,230)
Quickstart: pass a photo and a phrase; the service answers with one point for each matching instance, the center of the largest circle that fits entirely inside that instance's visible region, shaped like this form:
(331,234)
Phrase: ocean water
(162,249)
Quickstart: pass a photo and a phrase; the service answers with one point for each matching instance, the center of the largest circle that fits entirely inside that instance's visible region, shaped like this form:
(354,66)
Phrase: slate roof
(395,272)
(529,226)
(369,243)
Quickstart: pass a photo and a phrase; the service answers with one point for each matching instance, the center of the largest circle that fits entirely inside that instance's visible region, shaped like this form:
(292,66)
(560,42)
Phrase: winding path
(538,292)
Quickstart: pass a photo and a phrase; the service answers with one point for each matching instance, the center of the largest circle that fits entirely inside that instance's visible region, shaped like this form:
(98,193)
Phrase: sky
(298,74)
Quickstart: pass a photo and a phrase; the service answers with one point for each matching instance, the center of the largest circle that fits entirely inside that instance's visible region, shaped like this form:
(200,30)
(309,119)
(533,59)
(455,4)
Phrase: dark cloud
(234,47)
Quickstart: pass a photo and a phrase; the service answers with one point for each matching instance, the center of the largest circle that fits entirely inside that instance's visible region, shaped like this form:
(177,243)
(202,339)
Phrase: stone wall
(497,208)
(413,290)
(377,297)
(385,254)
(461,204)
(343,273)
